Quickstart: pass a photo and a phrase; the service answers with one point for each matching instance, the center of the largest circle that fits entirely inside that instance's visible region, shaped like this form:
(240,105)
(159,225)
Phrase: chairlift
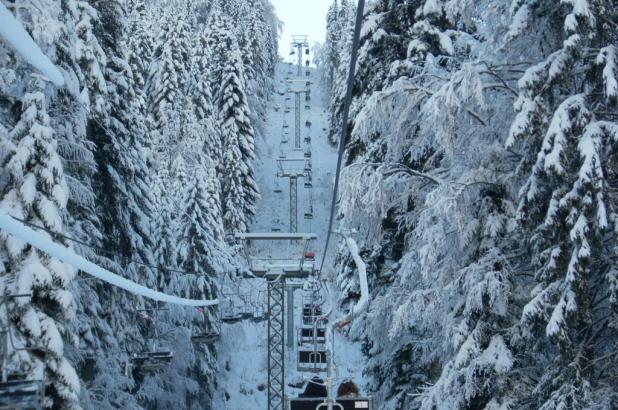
(307,62)
(206,334)
(16,390)
(277,189)
(314,361)
(156,356)
(150,361)
(307,107)
(307,96)
(310,256)
(321,404)
(310,335)
(307,51)
(307,123)
(309,215)
(308,73)
(246,309)
(260,312)
(229,312)
(307,153)
(308,182)
(275,229)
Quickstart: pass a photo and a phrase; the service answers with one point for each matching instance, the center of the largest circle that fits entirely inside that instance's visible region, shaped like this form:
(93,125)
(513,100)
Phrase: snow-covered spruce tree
(237,138)
(333,34)
(140,43)
(168,72)
(567,205)
(202,102)
(201,233)
(37,193)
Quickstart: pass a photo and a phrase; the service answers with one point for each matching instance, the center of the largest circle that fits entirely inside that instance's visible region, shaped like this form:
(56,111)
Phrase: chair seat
(312,404)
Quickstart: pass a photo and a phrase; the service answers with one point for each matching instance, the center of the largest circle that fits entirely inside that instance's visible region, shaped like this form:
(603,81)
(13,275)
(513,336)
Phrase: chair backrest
(21,394)
(313,404)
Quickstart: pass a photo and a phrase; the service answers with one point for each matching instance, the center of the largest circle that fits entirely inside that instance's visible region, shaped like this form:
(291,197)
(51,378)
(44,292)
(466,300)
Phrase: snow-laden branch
(43,243)
(363,302)
(14,34)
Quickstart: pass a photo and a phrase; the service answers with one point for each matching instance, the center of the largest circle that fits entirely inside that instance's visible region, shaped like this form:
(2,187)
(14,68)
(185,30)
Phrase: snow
(43,243)
(362,303)
(16,36)
(607,56)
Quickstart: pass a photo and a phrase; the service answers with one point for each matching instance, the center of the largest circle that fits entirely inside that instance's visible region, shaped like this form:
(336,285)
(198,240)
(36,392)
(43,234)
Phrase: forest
(478,178)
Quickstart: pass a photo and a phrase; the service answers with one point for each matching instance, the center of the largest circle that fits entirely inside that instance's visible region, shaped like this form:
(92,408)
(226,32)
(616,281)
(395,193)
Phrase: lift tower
(297,93)
(276,271)
(300,43)
(293,168)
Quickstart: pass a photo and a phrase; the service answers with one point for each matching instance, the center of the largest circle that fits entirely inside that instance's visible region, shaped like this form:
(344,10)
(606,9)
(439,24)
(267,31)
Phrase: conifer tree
(37,193)
(237,132)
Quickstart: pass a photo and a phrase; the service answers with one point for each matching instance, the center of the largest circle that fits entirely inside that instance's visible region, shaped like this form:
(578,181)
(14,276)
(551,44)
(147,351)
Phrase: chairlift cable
(344,124)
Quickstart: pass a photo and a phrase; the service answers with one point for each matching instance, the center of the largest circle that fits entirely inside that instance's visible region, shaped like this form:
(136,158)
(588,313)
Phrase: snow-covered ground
(242,347)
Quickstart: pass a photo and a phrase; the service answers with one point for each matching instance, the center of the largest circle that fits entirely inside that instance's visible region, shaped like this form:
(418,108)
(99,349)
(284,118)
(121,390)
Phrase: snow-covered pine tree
(202,102)
(37,193)
(200,235)
(566,205)
(333,34)
(236,135)
(139,43)
(168,72)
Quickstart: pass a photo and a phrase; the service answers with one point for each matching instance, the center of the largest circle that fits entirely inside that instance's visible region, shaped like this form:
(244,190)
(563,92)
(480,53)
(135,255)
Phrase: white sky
(301,17)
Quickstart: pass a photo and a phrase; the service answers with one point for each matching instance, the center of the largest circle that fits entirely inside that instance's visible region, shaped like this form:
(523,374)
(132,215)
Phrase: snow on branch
(363,302)
(18,37)
(43,243)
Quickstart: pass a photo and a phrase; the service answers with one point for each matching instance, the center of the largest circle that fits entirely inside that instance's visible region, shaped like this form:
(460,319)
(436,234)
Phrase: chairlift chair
(307,153)
(259,313)
(22,394)
(307,96)
(308,183)
(246,310)
(307,51)
(365,403)
(229,313)
(311,336)
(151,361)
(207,333)
(307,107)
(156,356)
(307,62)
(313,361)
(309,213)
(16,390)
(307,73)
